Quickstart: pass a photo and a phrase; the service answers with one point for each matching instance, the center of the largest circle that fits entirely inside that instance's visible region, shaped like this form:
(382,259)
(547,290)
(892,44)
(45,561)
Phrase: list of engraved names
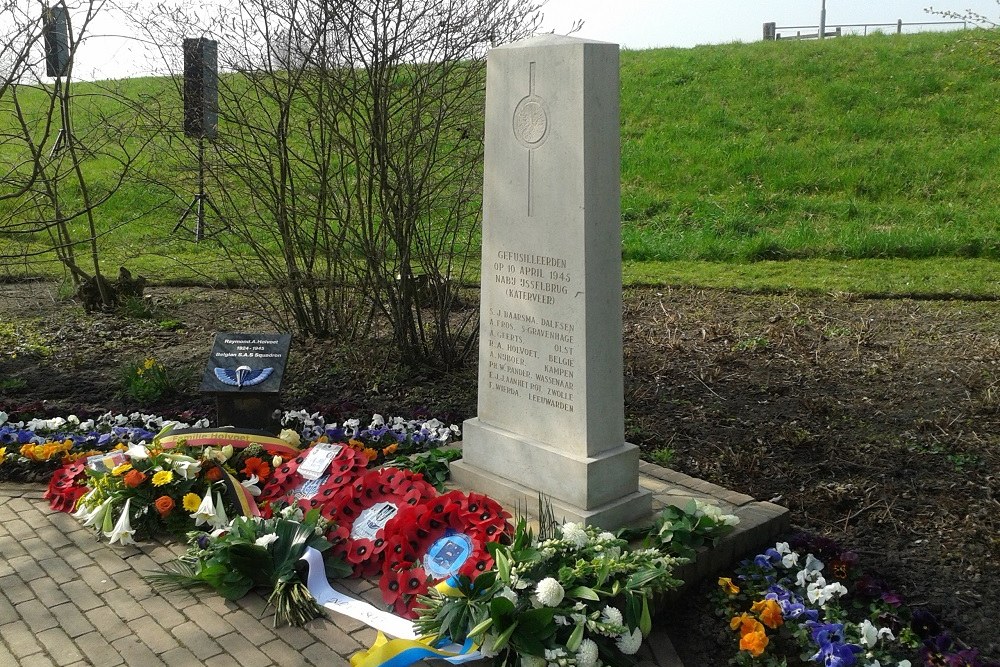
(531,356)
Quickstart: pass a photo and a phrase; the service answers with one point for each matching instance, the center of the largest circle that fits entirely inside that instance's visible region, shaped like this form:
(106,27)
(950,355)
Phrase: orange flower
(754,643)
(164,505)
(746,623)
(134,478)
(356,444)
(256,466)
(769,612)
(370,453)
(390,450)
(213,474)
(726,584)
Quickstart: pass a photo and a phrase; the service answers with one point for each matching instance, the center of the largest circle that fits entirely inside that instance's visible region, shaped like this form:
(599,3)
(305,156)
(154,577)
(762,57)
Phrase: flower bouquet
(254,553)
(580,598)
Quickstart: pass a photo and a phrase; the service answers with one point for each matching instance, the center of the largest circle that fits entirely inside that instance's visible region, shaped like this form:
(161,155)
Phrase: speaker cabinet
(201,87)
(55,35)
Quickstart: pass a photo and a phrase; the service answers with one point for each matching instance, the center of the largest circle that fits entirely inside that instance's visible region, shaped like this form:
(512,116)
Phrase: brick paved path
(68,599)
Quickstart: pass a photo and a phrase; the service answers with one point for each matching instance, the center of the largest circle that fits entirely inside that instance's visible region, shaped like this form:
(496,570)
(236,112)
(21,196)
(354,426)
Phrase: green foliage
(663,456)
(253,554)
(22,338)
(149,380)
(680,532)
(432,464)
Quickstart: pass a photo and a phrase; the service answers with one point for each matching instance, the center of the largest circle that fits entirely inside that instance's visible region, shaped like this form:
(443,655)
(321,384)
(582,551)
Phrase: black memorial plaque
(244,372)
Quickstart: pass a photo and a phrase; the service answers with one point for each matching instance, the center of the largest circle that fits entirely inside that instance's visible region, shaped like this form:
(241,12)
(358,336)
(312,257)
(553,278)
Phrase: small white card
(372,520)
(318,460)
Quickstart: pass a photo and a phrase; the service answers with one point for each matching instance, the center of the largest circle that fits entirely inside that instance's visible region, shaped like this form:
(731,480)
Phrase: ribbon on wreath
(406,648)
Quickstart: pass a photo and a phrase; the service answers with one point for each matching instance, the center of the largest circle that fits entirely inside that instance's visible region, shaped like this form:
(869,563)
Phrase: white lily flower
(221,520)
(251,485)
(206,510)
(265,540)
(227,453)
(96,518)
(137,451)
(185,466)
(123,531)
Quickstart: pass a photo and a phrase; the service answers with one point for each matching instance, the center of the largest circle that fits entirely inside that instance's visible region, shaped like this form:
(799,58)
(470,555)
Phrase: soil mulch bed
(877,422)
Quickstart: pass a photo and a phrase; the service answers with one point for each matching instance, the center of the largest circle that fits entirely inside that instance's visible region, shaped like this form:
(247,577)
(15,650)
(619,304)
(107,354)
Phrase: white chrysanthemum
(629,643)
(606,537)
(612,615)
(575,535)
(549,592)
(586,655)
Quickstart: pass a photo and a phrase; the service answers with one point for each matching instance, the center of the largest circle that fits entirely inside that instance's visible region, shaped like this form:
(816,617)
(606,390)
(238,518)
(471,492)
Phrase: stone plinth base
(602,490)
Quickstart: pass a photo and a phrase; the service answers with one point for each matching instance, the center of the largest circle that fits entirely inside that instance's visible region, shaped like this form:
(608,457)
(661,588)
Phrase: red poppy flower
(388,583)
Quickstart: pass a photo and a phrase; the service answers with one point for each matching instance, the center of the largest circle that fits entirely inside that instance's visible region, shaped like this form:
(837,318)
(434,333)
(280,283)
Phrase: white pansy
(810,571)
(586,655)
(291,437)
(123,531)
(84,426)
(819,592)
(629,643)
(377,421)
(870,634)
(3,417)
(201,423)
(549,592)
(265,540)
(790,560)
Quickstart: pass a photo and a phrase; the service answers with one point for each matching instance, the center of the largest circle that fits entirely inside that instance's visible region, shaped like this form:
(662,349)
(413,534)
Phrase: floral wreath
(343,469)
(473,519)
(388,491)
(68,485)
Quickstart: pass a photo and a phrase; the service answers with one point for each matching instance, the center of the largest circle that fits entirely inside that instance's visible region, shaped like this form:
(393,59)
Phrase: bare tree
(47,191)
(350,153)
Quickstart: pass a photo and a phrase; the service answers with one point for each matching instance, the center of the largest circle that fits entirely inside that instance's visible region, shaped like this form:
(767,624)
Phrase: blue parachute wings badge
(243,376)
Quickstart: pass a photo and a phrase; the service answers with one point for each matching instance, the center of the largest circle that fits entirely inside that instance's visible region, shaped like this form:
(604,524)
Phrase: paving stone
(152,634)
(55,536)
(179,657)
(243,651)
(108,624)
(71,619)
(37,548)
(339,641)
(76,558)
(7,612)
(123,604)
(135,652)
(208,620)
(19,639)
(222,660)
(297,638)
(82,595)
(98,650)
(18,529)
(58,570)
(98,580)
(14,589)
(25,567)
(249,626)
(36,660)
(196,640)
(283,654)
(163,611)
(36,615)
(111,562)
(59,646)
(48,591)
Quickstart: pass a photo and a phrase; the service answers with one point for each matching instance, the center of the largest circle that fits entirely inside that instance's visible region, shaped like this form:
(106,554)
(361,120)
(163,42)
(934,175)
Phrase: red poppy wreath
(366,509)
(287,483)
(429,542)
(66,486)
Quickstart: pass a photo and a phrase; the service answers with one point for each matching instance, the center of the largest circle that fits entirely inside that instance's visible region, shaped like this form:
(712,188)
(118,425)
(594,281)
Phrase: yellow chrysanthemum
(122,469)
(191,502)
(3,453)
(163,477)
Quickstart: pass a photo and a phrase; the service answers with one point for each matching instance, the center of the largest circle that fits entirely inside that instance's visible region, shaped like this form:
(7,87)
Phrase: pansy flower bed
(807,602)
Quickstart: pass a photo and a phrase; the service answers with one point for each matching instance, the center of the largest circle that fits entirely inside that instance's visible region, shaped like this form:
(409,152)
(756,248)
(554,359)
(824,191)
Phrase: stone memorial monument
(551,398)
(244,373)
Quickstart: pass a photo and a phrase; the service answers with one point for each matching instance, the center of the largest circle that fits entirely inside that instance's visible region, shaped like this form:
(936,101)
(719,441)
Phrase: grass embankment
(755,166)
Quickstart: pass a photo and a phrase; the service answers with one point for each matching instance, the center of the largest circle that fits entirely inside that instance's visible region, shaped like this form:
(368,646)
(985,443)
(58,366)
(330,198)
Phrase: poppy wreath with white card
(313,477)
(365,510)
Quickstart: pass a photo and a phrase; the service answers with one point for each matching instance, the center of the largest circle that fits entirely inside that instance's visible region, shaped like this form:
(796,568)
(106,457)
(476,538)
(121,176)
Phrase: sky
(633,24)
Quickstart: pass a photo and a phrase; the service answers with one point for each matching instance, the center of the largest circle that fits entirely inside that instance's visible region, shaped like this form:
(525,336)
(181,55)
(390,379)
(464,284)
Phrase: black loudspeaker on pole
(201,87)
(55,34)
